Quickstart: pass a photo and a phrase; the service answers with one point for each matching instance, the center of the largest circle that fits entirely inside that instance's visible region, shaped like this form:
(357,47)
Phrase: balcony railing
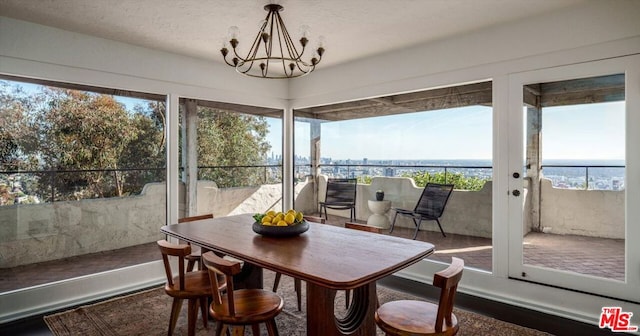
(609,177)
(48,186)
(482,172)
(601,177)
(71,184)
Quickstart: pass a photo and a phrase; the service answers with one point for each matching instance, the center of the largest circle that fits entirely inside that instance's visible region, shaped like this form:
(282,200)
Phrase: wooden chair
(297,283)
(360,227)
(430,206)
(411,317)
(241,307)
(192,286)
(341,195)
(195,256)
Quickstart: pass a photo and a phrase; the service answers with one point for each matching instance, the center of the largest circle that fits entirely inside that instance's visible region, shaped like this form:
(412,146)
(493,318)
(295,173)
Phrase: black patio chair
(430,206)
(341,195)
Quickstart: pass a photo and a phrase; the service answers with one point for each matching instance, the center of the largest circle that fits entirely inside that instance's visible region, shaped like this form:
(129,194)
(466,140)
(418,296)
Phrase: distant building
(389,172)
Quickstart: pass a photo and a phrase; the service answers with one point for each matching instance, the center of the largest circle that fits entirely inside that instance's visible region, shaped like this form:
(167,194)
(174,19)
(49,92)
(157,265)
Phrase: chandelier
(273,53)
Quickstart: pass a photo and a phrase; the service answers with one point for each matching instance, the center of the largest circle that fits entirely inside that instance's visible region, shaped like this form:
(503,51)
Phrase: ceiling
(353,29)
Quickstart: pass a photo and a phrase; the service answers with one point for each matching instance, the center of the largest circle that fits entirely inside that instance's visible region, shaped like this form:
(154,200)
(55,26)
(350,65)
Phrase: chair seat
(197,284)
(410,317)
(251,306)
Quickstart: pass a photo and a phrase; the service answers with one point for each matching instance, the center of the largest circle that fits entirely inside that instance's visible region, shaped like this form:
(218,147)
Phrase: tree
(84,131)
(227,138)
(16,138)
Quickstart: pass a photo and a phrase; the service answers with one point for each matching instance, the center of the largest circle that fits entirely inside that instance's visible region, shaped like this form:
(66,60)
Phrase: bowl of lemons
(280,224)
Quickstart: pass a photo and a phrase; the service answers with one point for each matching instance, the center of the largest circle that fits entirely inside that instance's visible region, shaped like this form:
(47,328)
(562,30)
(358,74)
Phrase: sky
(581,132)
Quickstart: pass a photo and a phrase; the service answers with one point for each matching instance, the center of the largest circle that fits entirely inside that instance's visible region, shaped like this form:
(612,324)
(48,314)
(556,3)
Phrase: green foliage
(459,181)
(364,179)
(65,130)
(226,138)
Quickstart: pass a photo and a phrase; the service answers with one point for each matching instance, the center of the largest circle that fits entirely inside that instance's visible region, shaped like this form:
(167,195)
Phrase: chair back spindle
(233,308)
(180,251)
(447,280)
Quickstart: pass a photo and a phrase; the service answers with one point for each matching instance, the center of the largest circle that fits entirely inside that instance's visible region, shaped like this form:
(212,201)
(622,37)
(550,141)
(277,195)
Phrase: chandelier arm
(294,56)
(269,48)
(225,60)
(279,27)
(291,47)
(251,55)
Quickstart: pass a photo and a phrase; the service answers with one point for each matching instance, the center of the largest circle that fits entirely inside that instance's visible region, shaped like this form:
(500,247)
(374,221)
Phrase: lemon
(275,220)
(282,223)
(290,218)
(271,213)
(299,216)
(267,219)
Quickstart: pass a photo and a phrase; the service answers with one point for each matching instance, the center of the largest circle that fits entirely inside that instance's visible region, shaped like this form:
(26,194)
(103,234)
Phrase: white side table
(379,217)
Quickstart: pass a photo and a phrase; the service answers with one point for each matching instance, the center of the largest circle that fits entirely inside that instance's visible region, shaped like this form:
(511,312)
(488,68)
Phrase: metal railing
(52,178)
(446,169)
(231,175)
(56,185)
(273,174)
(565,171)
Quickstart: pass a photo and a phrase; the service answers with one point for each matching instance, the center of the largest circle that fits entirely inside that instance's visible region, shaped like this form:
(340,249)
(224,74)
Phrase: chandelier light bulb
(234,32)
(305,31)
(321,41)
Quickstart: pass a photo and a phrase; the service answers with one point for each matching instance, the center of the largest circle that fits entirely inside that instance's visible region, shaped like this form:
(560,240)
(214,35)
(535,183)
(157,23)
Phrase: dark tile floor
(585,255)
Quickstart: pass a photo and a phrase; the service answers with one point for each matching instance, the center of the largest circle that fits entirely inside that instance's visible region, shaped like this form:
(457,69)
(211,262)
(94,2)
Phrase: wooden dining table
(328,258)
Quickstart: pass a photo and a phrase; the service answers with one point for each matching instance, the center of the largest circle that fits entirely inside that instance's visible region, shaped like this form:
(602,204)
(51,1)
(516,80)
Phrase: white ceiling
(353,28)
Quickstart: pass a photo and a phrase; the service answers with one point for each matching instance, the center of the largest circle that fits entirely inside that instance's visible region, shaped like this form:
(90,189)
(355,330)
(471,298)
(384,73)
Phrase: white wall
(599,213)
(32,50)
(595,30)
(478,55)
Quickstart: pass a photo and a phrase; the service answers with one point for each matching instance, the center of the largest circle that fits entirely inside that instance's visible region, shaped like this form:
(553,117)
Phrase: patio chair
(430,206)
(341,195)
(412,317)
(242,307)
(196,254)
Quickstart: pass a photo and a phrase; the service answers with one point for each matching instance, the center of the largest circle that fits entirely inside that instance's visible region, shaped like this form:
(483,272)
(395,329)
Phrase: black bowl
(280,231)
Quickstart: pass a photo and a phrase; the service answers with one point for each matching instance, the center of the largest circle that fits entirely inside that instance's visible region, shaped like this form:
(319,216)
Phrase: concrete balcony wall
(467,212)
(41,232)
(238,200)
(594,213)
(232,201)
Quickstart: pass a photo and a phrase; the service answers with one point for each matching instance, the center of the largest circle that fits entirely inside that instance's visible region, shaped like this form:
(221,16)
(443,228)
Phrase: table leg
(359,319)
(249,277)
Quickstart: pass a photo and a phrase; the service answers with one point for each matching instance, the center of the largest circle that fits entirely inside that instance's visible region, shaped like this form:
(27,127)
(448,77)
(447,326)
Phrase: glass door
(572,177)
